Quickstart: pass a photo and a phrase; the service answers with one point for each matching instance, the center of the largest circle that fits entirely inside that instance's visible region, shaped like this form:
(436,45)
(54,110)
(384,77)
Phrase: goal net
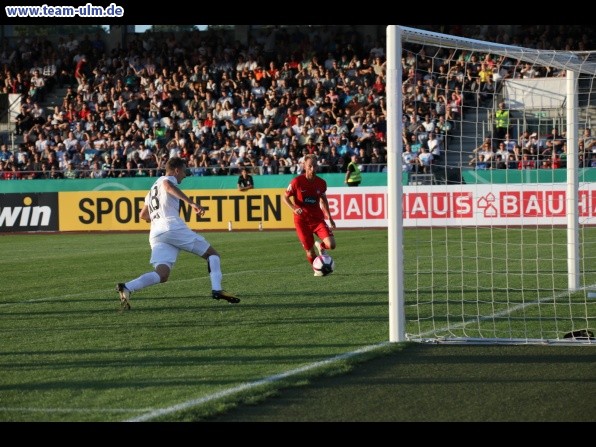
(492,238)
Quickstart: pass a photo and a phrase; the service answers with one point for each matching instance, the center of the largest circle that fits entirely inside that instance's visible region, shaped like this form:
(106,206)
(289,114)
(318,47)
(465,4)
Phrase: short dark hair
(175,162)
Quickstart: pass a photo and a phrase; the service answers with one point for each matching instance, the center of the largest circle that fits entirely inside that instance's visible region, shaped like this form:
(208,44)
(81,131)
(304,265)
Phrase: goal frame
(568,61)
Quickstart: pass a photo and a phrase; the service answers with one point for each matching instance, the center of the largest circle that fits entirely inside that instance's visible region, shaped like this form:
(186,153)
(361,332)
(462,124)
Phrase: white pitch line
(247,386)
(72,410)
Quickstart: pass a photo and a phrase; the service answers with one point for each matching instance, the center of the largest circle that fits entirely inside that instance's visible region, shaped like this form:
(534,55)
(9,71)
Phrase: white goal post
(528,277)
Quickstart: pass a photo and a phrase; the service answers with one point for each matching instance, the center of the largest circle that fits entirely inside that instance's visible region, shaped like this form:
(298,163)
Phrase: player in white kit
(170,234)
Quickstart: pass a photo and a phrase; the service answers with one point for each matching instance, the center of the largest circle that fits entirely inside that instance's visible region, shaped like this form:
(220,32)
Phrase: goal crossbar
(556,59)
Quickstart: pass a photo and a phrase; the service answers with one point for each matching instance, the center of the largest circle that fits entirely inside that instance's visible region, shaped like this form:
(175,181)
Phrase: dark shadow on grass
(430,383)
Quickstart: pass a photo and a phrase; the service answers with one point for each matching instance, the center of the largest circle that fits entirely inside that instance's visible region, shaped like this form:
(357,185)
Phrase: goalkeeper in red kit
(305,195)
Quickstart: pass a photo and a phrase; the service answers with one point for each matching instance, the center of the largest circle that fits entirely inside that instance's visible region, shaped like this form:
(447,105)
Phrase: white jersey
(164,209)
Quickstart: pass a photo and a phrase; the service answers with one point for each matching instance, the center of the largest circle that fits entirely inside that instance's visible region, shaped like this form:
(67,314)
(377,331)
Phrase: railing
(8,125)
(85,172)
(543,125)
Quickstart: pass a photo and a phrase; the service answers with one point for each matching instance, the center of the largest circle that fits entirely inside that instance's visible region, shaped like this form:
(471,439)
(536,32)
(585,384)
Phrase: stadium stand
(87,112)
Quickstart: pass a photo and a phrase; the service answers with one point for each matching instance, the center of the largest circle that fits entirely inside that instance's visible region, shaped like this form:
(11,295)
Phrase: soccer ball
(323,265)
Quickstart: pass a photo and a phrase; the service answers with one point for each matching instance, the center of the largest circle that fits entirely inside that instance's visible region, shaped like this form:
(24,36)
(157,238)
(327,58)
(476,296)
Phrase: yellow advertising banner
(119,210)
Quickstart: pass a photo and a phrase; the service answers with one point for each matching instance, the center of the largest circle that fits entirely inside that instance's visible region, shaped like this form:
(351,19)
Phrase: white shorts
(166,246)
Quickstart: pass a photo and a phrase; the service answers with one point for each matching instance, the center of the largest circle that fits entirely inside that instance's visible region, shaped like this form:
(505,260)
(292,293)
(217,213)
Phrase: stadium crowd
(264,106)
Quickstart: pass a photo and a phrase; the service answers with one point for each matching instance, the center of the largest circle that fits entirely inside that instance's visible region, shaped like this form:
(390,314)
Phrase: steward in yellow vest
(501,122)
(353,175)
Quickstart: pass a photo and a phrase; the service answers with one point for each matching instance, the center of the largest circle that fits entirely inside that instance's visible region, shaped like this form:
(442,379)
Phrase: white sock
(215,272)
(145,280)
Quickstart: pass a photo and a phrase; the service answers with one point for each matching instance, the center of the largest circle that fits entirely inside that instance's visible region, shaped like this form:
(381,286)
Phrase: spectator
(454,109)
(71,172)
(80,70)
(409,161)
(5,154)
(588,140)
(37,87)
(479,162)
(24,120)
(499,162)
(425,160)
(501,122)
(509,143)
(556,139)
(526,162)
(444,127)
(435,147)
(503,152)
(96,170)
(512,161)
(353,174)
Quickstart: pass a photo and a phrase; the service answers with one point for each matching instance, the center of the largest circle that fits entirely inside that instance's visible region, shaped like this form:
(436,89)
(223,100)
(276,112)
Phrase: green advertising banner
(144,183)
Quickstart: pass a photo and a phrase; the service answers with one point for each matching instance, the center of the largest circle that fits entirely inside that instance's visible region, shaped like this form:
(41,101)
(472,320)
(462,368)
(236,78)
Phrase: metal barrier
(8,104)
